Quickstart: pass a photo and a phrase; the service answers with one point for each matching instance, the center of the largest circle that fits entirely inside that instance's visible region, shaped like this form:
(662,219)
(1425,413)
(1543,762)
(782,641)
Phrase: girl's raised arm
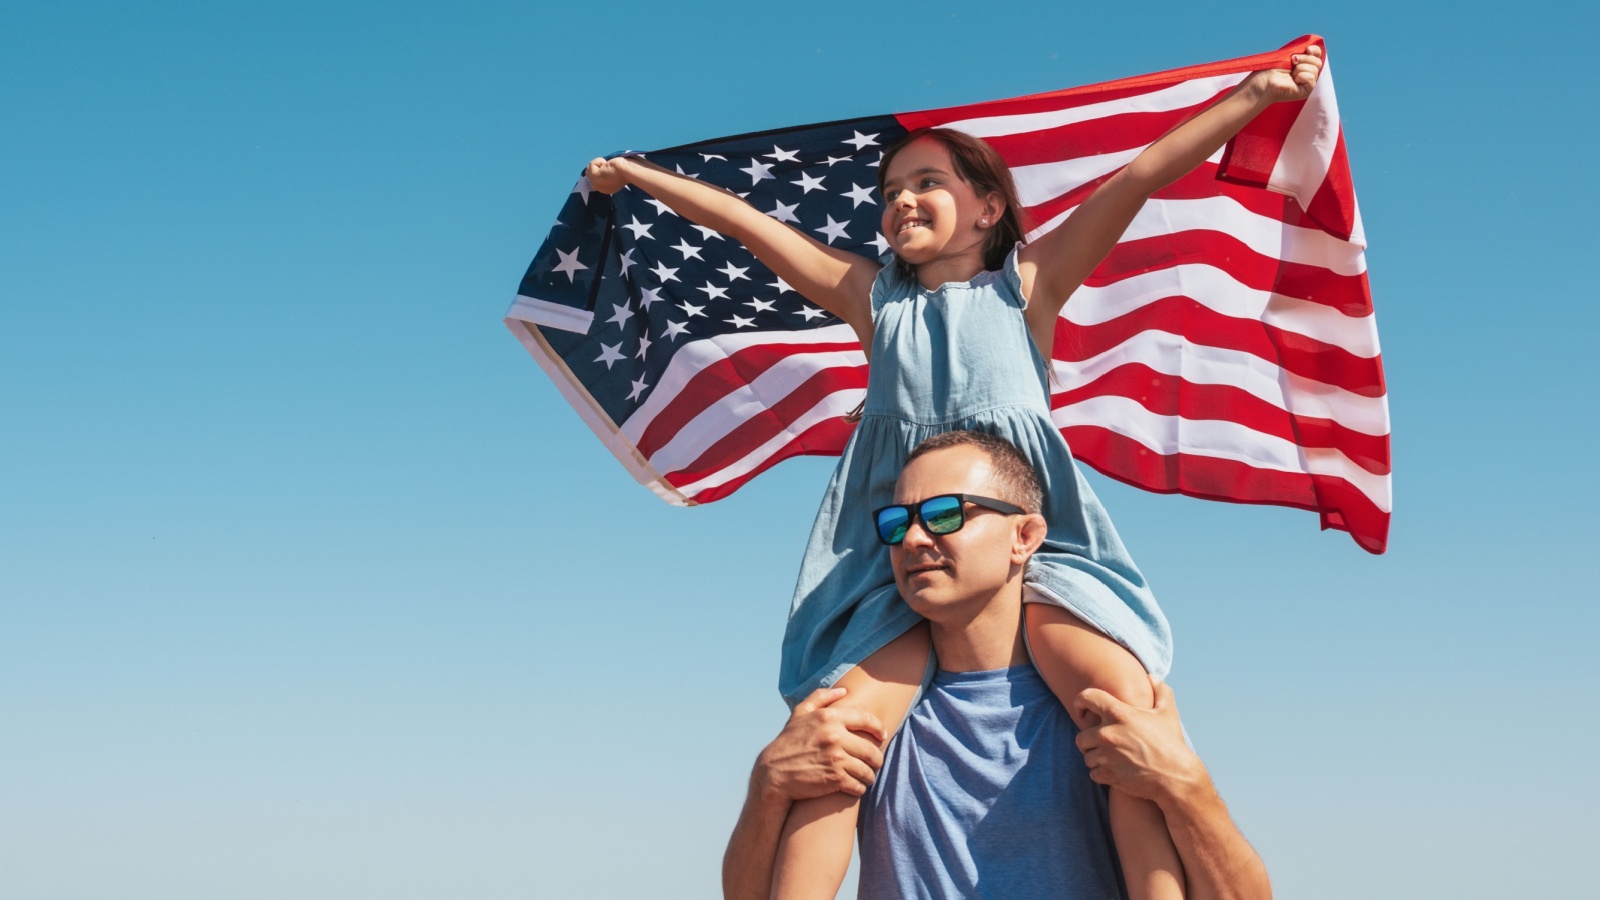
(836,280)
(1056,264)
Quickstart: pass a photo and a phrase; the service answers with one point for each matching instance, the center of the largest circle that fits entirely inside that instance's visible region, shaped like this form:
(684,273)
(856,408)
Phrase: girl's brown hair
(980,166)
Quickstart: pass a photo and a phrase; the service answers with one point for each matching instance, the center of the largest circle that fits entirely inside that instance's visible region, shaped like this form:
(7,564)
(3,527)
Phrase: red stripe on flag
(1334,204)
(1348,294)
(1199,184)
(759,429)
(716,381)
(1093,93)
(1197,324)
(1342,505)
(827,438)
(1170,395)
(1110,134)
(1253,153)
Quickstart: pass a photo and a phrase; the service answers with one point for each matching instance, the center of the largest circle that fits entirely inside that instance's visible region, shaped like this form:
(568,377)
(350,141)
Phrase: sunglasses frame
(914,513)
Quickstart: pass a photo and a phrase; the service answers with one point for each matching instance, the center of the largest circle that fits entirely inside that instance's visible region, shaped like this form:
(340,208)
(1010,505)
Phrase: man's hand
(1138,751)
(821,749)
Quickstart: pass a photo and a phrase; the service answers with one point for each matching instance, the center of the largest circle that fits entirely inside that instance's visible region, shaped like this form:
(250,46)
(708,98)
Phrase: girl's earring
(983,223)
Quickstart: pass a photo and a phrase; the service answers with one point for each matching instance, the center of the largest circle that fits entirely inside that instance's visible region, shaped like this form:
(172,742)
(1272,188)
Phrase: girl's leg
(1073,657)
(818,836)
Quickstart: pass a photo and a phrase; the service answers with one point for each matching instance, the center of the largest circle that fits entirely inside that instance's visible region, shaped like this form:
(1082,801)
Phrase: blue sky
(311,584)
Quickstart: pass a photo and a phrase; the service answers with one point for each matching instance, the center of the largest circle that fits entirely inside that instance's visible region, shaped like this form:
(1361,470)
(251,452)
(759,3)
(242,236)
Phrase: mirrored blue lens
(941,515)
(892,524)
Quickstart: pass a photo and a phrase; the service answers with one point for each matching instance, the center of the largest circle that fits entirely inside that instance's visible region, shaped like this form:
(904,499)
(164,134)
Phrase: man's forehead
(961,469)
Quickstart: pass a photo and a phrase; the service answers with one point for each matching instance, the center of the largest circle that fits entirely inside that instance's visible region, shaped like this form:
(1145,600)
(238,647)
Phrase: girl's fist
(607,175)
(1294,83)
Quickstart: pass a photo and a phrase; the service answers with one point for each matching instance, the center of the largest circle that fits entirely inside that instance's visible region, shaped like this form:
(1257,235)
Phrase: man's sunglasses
(944,514)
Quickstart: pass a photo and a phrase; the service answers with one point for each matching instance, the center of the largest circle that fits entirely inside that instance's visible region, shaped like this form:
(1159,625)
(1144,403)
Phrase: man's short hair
(1015,479)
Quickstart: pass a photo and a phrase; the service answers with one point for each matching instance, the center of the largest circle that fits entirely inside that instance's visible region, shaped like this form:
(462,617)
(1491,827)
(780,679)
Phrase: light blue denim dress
(959,357)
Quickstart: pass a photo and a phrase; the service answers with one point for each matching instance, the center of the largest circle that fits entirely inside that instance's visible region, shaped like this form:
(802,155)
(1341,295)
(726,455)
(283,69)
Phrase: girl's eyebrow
(922,171)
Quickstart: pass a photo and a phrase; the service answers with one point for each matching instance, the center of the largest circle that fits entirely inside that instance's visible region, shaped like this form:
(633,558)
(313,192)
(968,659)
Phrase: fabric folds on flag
(1226,349)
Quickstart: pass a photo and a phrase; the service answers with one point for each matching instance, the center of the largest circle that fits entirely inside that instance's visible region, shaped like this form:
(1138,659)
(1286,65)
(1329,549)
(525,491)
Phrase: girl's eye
(890,195)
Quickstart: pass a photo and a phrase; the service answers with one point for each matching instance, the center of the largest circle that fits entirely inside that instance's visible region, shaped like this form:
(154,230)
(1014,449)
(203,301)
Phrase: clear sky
(311,584)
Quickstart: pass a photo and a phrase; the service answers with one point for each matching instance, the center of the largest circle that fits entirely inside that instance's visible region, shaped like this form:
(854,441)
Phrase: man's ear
(1030,533)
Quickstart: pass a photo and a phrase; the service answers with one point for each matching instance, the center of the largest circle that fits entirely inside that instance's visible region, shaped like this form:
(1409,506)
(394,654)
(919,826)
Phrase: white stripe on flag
(1265,235)
(744,403)
(836,404)
(1173,355)
(1042,182)
(550,315)
(1308,147)
(1178,96)
(693,357)
(1215,289)
(1168,435)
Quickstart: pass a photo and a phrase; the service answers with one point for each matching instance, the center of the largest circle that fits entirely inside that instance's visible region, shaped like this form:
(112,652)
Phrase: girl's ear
(994,206)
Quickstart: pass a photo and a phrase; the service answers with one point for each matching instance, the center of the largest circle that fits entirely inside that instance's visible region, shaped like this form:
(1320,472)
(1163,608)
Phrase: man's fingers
(861,720)
(817,699)
(1163,691)
(860,748)
(1094,701)
(859,774)
(1087,739)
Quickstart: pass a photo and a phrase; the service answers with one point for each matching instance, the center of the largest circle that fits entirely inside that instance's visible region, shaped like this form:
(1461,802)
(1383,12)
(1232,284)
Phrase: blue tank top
(984,794)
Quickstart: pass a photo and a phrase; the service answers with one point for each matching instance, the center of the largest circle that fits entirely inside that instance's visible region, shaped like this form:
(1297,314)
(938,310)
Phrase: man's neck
(983,635)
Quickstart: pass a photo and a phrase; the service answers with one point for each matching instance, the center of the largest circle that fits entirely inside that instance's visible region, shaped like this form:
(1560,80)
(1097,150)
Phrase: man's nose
(916,535)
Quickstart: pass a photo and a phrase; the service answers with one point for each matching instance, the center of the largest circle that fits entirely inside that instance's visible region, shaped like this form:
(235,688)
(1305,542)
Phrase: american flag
(1226,349)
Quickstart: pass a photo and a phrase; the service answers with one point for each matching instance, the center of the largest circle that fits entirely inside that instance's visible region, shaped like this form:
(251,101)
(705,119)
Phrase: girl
(954,223)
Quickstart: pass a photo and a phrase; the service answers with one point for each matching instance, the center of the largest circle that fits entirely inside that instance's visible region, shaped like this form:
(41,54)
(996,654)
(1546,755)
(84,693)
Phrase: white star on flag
(862,141)
(833,230)
(807,183)
(758,170)
(860,195)
(610,353)
(569,264)
(622,314)
(784,213)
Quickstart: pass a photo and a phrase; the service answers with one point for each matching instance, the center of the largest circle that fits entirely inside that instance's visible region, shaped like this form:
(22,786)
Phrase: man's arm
(1142,752)
(819,751)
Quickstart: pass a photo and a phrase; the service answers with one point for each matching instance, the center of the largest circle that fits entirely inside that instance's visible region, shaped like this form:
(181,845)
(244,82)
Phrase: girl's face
(929,212)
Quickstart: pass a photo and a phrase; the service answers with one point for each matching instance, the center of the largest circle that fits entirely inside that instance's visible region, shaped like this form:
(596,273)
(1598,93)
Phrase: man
(962,800)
